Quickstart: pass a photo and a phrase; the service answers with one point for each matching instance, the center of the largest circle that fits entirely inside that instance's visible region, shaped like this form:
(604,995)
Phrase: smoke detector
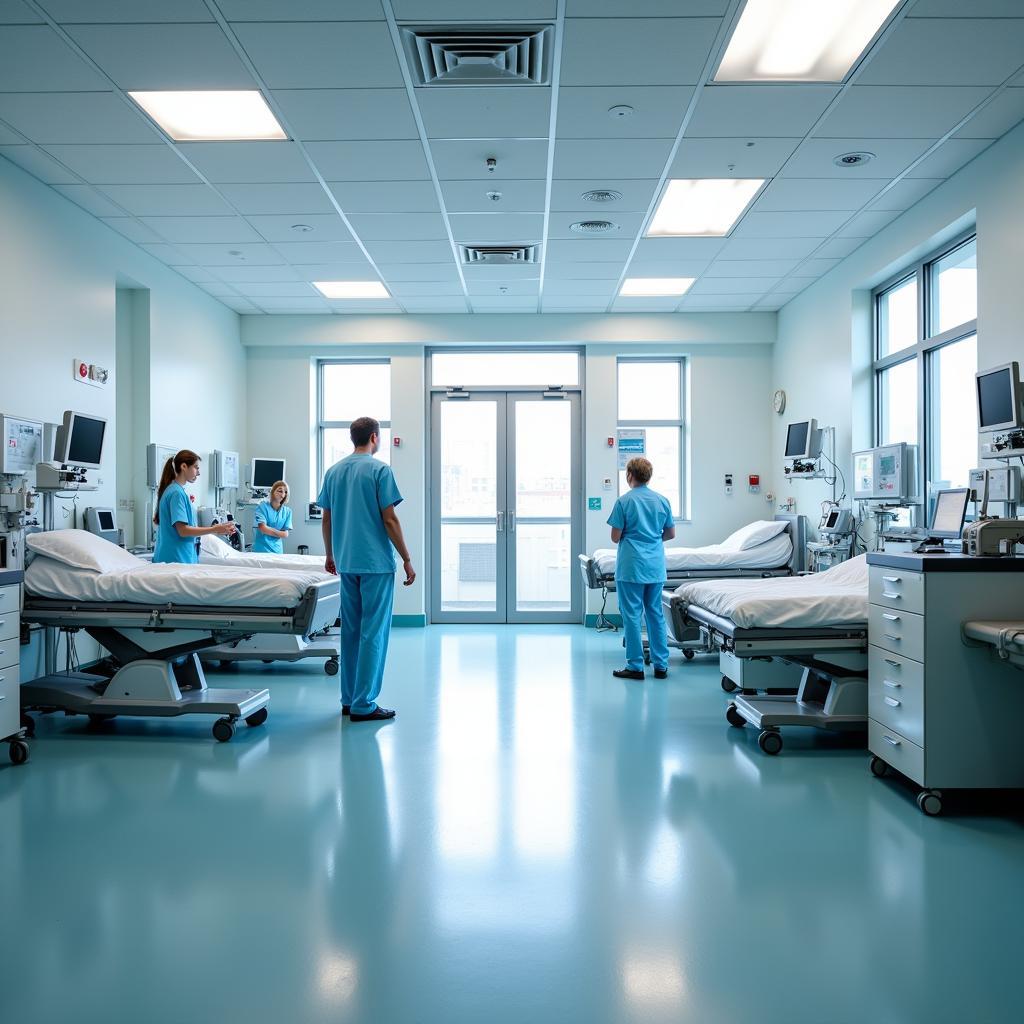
(853,159)
(593,227)
(601,195)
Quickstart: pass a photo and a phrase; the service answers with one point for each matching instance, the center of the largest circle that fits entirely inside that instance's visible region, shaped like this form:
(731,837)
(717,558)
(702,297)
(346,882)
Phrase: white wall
(823,353)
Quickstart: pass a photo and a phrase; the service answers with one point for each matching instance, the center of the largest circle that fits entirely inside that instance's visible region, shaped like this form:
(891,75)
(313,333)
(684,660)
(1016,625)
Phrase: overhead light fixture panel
(211,116)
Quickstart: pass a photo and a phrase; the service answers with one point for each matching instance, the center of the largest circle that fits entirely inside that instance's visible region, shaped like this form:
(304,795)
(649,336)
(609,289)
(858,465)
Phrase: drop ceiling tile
(866,224)
(425,289)
(67,12)
(438,305)
(385,196)
(9,137)
(626,158)
(248,162)
(240,305)
(133,230)
(434,11)
(164,56)
(718,303)
(654,304)
(637,193)
(478,289)
(667,268)
(90,200)
(818,194)
(1004,112)
(948,51)
(627,224)
(446,273)
(198,275)
(659,249)
(905,193)
(347,114)
(168,200)
(351,270)
(731,158)
(732,285)
(760,111)
(202,229)
(293,304)
(516,158)
(169,254)
(516,196)
(818,224)
(819,266)
(751,268)
(33,58)
(86,117)
(125,165)
(39,164)
(570,304)
(958,9)
(14,12)
(246,275)
(322,55)
(279,198)
(642,51)
(891,156)
(584,271)
(596,250)
(299,10)
(769,305)
(899,112)
(391,227)
(583,113)
(517,272)
(320,252)
(497,228)
(769,248)
(839,248)
(327,227)
(218,289)
(485,113)
(210,255)
(949,158)
(369,161)
(503,302)
(577,289)
(378,306)
(410,252)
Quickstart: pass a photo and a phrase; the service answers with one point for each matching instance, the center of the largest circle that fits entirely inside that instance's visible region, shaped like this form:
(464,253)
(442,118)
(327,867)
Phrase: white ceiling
(387,179)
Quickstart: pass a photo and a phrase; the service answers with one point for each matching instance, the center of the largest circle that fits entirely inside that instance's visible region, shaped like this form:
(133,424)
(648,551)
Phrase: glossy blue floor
(530,841)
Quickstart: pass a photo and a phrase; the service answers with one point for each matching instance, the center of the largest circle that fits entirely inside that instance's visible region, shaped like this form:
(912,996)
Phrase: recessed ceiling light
(652,286)
(620,111)
(352,289)
(702,206)
(853,159)
(801,40)
(222,116)
(303,229)
(601,195)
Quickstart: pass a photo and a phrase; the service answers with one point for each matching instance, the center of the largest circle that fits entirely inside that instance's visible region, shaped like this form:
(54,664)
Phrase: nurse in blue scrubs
(360,529)
(177,536)
(641,522)
(273,520)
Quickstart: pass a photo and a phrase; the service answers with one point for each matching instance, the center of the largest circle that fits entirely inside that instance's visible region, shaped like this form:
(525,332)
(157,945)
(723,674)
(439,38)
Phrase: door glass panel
(543,577)
(469,459)
(469,571)
(543,459)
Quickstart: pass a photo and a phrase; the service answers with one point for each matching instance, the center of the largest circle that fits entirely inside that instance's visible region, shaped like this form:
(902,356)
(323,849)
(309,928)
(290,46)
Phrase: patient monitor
(78,447)
(947,518)
(101,522)
(265,473)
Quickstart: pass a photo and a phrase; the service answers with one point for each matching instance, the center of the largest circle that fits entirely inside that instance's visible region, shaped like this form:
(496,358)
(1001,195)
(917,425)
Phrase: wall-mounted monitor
(80,440)
(803,440)
(266,472)
(888,472)
(999,398)
(225,469)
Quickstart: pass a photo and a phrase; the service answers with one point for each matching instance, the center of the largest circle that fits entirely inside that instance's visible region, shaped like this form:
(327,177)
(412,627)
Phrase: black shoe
(628,673)
(661,673)
(377,715)
(346,708)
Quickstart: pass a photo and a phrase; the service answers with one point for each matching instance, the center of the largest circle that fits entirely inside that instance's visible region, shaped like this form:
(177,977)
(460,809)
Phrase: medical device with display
(803,440)
(887,473)
(226,469)
(80,440)
(101,522)
(999,394)
(265,473)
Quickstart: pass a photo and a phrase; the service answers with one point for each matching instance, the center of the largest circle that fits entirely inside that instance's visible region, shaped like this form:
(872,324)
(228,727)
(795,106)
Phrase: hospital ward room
(511,513)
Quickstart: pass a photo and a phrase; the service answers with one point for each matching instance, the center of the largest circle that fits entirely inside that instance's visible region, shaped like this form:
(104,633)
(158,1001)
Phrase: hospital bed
(155,620)
(1005,638)
(270,647)
(816,624)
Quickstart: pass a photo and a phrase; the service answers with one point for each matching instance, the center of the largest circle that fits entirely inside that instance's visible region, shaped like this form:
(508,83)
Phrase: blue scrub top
(643,516)
(279,520)
(356,490)
(175,507)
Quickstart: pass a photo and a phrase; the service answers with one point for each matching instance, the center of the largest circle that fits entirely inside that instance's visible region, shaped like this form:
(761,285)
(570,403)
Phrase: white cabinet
(10,658)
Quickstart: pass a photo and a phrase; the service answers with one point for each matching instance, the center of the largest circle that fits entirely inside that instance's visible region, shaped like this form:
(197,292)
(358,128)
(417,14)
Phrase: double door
(506,485)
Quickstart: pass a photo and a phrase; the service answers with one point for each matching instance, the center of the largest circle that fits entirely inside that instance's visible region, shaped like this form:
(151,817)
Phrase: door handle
(500,528)
(511,521)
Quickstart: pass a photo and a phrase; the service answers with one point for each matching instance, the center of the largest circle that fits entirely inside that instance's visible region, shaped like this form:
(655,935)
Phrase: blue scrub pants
(366,601)
(636,599)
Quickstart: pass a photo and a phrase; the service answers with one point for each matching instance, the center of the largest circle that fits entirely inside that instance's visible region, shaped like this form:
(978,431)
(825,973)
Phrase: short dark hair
(362,429)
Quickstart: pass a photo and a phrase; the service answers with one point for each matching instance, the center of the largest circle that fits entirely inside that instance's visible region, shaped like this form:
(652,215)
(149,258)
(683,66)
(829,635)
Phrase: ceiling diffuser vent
(499,255)
(519,55)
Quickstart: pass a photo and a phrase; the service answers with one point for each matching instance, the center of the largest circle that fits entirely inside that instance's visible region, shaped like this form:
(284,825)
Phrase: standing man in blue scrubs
(360,528)
(641,522)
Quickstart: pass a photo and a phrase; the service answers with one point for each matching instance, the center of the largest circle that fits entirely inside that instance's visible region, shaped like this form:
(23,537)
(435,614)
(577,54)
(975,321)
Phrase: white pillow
(82,550)
(749,536)
(210,544)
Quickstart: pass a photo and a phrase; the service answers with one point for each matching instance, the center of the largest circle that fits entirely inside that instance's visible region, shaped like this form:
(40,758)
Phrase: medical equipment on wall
(215,516)
(101,521)
(886,473)
(78,447)
(1000,397)
(803,446)
(22,441)
(156,458)
(226,475)
(264,473)
(836,530)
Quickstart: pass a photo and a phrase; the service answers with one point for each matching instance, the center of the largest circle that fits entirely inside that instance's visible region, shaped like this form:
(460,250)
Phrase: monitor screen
(995,398)
(950,510)
(266,472)
(105,518)
(85,446)
(796,440)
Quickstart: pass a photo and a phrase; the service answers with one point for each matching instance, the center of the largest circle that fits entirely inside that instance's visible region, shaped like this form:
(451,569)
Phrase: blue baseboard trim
(591,620)
(409,620)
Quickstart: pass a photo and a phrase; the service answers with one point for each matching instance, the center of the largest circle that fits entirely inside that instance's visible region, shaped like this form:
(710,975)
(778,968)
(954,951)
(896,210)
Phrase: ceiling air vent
(499,255)
(519,55)
(593,227)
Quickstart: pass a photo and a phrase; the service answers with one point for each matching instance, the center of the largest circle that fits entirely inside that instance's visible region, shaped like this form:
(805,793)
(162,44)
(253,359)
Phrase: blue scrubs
(643,516)
(280,519)
(175,507)
(356,491)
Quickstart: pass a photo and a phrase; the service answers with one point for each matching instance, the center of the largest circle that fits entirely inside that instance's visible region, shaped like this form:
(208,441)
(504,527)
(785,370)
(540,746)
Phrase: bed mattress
(257,560)
(838,597)
(772,555)
(199,585)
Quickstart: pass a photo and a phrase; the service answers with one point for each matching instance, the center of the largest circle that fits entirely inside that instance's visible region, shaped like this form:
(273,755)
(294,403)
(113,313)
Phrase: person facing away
(273,521)
(177,536)
(360,528)
(641,522)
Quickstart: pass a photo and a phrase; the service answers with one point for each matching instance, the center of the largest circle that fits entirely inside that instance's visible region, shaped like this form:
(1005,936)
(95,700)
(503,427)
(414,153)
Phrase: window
(504,369)
(926,355)
(347,391)
(651,397)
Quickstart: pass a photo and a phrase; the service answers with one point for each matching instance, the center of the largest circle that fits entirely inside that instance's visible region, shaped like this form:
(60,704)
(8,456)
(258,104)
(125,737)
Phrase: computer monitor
(265,473)
(802,440)
(999,398)
(80,440)
(949,513)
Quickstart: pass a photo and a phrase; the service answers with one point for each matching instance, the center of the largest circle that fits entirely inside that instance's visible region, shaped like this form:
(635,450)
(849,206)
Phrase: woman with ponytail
(177,536)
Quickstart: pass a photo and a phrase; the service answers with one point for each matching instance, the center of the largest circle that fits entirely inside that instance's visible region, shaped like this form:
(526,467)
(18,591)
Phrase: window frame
(922,352)
(679,423)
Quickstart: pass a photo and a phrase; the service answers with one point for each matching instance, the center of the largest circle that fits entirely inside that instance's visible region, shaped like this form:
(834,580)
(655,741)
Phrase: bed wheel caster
(878,767)
(688,655)
(97,721)
(930,802)
(734,718)
(28,723)
(256,718)
(770,742)
(728,685)
(18,751)
(331,666)
(223,730)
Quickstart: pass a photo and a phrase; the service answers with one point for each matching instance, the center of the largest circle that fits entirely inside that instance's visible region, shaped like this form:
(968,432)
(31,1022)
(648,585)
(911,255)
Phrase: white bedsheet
(170,583)
(837,597)
(772,555)
(225,555)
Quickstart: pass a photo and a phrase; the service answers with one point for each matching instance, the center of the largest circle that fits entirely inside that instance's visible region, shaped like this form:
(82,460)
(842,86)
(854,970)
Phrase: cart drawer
(896,750)
(10,653)
(10,600)
(896,693)
(896,588)
(898,631)
(10,708)
(10,626)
